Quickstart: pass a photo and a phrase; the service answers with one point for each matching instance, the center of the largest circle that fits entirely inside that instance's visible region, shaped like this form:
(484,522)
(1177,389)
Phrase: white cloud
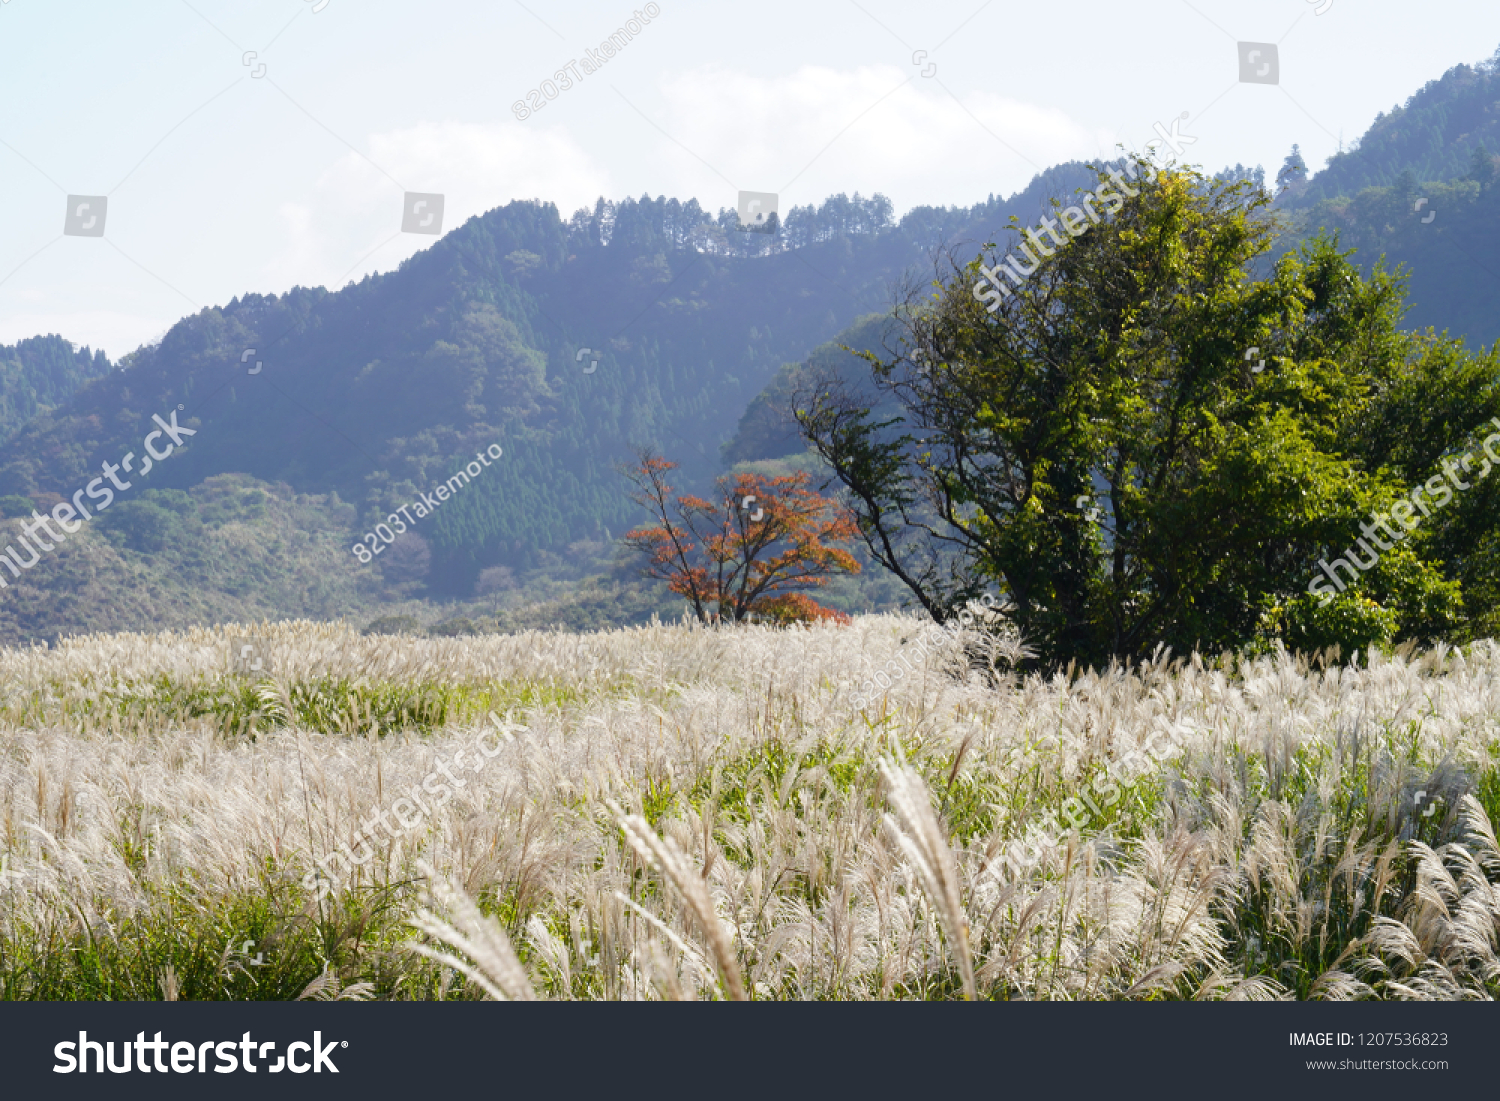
(355,207)
(816,131)
(908,139)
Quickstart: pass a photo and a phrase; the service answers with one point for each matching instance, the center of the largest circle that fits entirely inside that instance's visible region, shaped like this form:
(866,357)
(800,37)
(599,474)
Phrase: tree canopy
(754,551)
(1146,443)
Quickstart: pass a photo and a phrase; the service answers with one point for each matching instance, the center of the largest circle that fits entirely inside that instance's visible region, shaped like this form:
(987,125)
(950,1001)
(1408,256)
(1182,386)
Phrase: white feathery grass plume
(112,787)
(1236,988)
(703,970)
(326,988)
(926,847)
(495,968)
(552,950)
(1339,986)
(665,855)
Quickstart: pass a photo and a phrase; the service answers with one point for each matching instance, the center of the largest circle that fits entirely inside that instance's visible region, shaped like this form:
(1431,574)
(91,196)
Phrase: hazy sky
(221,181)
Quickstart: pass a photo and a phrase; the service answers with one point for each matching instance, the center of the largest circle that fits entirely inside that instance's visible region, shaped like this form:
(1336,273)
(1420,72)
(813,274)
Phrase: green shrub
(395,625)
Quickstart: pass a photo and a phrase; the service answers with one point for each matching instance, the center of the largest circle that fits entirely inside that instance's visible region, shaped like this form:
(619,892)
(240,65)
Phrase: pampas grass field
(686,812)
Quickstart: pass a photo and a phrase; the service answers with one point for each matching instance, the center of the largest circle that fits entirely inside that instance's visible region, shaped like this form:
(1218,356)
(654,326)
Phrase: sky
(256,145)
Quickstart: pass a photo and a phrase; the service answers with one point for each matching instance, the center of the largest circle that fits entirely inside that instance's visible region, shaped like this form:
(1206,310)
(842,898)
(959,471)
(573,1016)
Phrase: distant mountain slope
(233,550)
(1439,148)
(1432,136)
(1450,245)
(768,429)
(1418,189)
(237,550)
(647,321)
(40,373)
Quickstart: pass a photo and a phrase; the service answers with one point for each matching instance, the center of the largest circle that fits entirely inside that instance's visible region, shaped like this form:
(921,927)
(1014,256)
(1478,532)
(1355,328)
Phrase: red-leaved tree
(756,550)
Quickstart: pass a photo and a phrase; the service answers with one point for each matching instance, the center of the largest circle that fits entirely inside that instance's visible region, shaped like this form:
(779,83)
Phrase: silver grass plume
(495,966)
(326,988)
(926,846)
(664,855)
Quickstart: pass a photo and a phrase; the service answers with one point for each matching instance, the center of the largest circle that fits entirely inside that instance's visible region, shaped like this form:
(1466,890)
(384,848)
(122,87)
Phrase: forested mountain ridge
(566,342)
(40,373)
(1433,136)
(1445,233)
(1418,189)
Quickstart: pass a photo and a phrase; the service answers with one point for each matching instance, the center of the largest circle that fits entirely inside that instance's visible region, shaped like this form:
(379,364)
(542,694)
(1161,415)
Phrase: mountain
(1432,137)
(1445,233)
(767,429)
(1437,149)
(41,373)
(561,343)
(1418,189)
(565,343)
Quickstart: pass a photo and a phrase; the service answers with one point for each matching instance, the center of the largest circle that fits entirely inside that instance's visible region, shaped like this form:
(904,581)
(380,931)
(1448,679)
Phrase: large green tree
(1143,442)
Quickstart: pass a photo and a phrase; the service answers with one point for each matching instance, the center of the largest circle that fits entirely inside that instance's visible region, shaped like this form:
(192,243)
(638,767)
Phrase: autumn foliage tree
(755,550)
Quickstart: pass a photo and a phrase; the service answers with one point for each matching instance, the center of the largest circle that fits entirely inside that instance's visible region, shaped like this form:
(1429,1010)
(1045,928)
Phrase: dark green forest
(40,374)
(1430,137)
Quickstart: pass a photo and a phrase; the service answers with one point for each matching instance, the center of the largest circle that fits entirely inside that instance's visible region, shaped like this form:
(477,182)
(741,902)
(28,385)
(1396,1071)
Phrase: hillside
(1432,136)
(562,343)
(237,550)
(1450,260)
(1440,147)
(1418,189)
(41,373)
